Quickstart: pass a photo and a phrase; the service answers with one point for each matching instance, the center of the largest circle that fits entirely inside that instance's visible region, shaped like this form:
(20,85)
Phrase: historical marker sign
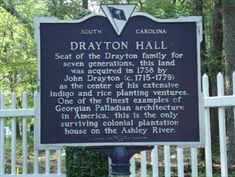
(119,79)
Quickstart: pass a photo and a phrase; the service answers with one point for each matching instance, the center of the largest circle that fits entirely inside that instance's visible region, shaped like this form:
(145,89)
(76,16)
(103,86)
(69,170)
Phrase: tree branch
(11,9)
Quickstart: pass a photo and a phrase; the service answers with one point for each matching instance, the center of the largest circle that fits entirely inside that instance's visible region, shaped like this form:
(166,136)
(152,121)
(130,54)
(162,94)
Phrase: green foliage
(65,9)
(84,163)
(160,9)
(17,55)
(18,63)
(214,63)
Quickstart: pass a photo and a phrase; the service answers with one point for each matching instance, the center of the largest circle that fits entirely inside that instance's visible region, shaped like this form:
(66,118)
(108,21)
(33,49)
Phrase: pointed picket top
(13,100)
(220,84)
(205,85)
(2,99)
(118,15)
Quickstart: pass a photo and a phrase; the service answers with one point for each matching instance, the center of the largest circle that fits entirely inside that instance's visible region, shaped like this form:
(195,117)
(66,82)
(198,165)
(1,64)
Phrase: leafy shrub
(81,162)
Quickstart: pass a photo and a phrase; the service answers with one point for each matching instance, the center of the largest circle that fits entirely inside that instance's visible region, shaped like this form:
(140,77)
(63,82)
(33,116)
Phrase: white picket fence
(42,163)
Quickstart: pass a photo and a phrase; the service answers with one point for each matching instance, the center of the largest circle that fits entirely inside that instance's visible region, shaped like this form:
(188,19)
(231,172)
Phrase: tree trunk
(141,4)
(85,4)
(197,10)
(229,51)
(216,57)
(217,26)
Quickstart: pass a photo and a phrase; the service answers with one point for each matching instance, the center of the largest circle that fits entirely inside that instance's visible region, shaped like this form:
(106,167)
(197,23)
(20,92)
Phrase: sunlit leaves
(18,66)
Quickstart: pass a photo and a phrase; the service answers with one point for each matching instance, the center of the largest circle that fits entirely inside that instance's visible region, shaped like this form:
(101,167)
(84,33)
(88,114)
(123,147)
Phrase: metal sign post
(120,157)
(120,161)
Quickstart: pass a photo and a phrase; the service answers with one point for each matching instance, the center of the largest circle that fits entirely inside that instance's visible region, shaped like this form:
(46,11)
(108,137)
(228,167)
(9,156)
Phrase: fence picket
(233,78)
(13,136)
(36,153)
(24,136)
(208,153)
(47,162)
(222,129)
(167,161)
(194,163)
(58,161)
(132,168)
(154,157)
(143,164)
(35,163)
(180,162)
(2,136)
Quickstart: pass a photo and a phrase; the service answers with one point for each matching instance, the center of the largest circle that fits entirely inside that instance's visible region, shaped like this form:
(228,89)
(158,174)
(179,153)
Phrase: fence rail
(39,163)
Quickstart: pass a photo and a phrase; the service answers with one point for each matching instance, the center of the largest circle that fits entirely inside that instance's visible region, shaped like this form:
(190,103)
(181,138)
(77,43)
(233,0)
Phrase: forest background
(18,63)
